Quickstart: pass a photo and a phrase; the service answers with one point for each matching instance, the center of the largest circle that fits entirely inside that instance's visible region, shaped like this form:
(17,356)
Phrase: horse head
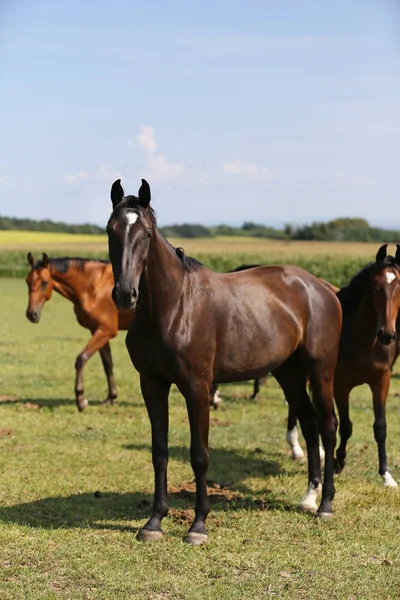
(129,230)
(40,284)
(385,283)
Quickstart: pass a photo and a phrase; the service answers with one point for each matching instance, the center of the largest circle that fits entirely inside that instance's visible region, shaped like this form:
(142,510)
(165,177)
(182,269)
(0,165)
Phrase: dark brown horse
(193,327)
(369,346)
(215,396)
(88,284)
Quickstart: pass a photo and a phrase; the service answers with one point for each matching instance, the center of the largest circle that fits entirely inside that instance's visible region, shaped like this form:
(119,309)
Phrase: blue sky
(232,110)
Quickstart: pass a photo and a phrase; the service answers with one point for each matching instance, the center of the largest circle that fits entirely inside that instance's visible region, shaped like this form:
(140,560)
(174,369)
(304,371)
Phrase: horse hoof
(324,516)
(109,401)
(308,508)
(82,404)
(388,481)
(298,455)
(195,539)
(148,535)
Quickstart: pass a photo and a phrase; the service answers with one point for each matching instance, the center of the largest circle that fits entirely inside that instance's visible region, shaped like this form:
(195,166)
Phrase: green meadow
(75,488)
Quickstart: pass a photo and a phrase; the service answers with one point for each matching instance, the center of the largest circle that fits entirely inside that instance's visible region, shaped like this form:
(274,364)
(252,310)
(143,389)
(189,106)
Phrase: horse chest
(84,317)
(149,353)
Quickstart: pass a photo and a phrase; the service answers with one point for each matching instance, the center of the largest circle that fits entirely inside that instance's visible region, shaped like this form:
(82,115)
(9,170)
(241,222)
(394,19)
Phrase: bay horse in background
(186,328)
(88,285)
(369,347)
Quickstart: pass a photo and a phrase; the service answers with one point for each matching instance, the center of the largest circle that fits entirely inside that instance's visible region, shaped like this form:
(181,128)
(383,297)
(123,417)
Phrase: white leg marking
(388,480)
(292,439)
(321,453)
(309,502)
(217,400)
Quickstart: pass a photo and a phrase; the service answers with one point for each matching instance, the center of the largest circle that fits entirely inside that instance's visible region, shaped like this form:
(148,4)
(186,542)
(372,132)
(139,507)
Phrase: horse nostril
(386,337)
(134,293)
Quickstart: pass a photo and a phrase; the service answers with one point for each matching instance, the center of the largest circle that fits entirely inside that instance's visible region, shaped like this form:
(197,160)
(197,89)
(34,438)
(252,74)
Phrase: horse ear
(31,260)
(397,256)
(45,260)
(144,194)
(381,254)
(117,193)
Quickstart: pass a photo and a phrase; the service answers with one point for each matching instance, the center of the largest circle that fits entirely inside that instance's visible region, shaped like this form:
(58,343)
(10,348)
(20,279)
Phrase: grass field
(43,241)
(60,541)
(334,261)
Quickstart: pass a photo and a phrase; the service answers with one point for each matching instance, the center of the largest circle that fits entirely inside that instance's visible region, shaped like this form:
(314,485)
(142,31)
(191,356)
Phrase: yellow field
(45,241)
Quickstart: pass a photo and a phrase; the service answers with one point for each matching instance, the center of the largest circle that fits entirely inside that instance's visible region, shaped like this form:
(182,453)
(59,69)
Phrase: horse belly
(255,352)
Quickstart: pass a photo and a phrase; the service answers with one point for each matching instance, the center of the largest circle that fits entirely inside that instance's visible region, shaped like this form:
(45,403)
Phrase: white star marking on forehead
(131,218)
(390,277)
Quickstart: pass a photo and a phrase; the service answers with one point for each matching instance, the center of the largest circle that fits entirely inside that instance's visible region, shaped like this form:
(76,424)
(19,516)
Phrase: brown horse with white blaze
(186,328)
(88,285)
(369,346)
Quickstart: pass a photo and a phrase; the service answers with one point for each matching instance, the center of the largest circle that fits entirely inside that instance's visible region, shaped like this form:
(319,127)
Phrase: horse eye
(43,285)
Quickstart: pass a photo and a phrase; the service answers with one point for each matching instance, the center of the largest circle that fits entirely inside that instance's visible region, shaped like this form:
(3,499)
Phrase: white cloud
(4,180)
(157,167)
(242,167)
(146,138)
(75,177)
(347,179)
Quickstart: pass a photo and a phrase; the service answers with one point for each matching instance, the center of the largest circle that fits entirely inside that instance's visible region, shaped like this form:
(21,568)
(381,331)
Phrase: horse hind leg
(291,378)
(292,436)
(215,396)
(321,373)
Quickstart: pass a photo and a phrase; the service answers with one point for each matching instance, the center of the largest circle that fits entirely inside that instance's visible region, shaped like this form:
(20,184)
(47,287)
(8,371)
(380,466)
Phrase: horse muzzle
(124,298)
(33,315)
(386,337)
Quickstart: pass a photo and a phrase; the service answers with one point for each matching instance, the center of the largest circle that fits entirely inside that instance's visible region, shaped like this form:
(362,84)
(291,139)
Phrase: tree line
(343,229)
(7,223)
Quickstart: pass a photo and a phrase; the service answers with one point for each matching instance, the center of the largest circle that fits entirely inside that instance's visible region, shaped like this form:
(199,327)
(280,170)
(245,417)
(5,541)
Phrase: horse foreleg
(106,359)
(199,418)
(155,395)
(97,341)
(342,394)
(379,393)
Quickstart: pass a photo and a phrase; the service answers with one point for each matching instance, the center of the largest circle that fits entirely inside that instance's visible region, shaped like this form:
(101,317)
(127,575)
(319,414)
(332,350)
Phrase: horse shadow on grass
(54,403)
(116,511)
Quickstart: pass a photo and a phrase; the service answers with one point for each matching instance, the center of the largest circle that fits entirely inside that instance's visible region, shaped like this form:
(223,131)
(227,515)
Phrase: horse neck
(162,279)
(73,283)
(365,319)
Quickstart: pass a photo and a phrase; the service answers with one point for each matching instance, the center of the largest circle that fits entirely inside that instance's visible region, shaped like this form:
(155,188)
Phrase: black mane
(189,263)
(350,295)
(63,264)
